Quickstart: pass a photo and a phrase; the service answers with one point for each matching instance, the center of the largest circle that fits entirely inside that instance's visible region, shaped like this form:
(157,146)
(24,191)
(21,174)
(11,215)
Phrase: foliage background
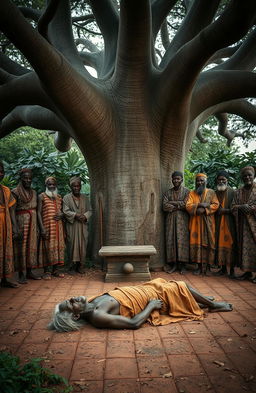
(30,148)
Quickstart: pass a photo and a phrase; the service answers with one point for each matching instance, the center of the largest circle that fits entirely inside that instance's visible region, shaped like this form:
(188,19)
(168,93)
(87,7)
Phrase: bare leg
(206,301)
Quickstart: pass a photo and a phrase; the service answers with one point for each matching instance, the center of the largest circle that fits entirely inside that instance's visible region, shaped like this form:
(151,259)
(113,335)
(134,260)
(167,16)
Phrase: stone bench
(127,263)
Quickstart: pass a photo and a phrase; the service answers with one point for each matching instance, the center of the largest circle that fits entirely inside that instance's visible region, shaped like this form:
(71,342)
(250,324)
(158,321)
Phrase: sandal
(58,274)
(22,281)
(47,276)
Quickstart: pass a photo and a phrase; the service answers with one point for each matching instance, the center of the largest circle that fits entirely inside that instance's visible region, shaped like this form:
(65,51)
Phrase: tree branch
(33,116)
(160,10)
(223,53)
(56,25)
(165,35)
(227,29)
(200,137)
(108,21)
(244,58)
(134,44)
(31,13)
(11,66)
(223,128)
(93,60)
(239,107)
(215,87)
(22,90)
(198,17)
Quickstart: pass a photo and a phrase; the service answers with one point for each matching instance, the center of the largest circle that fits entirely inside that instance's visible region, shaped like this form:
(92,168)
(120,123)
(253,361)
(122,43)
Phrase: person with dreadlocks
(244,209)
(77,212)
(50,220)
(201,205)
(226,250)
(176,225)
(25,248)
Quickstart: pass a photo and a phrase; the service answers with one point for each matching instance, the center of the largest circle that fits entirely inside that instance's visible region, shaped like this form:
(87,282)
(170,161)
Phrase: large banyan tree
(135,121)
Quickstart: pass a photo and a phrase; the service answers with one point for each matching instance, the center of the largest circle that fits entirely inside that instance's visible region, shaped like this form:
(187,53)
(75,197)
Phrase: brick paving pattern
(216,355)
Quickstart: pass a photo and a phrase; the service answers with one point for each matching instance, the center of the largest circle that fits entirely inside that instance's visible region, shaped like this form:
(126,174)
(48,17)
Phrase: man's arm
(101,319)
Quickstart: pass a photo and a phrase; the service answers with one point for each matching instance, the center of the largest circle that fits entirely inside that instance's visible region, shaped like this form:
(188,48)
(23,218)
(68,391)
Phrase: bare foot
(221,306)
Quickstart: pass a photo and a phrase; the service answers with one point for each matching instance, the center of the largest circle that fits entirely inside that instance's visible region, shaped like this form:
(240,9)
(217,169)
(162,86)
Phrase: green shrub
(44,164)
(29,378)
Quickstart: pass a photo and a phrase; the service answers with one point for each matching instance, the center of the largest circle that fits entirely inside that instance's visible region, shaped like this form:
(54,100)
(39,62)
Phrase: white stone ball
(128,268)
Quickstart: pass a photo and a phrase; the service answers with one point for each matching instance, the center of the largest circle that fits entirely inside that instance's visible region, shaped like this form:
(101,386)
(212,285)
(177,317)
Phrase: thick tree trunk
(126,192)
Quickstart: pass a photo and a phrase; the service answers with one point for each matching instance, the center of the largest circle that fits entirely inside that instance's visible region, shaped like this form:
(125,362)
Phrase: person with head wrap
(8,233)
(201,205)
(225,252)
(25,248)
(176,225)
(77,211)
(50,220)
(244,210)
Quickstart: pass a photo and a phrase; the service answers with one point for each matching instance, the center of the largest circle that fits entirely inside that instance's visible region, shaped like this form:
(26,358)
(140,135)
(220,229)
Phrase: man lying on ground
(159,302)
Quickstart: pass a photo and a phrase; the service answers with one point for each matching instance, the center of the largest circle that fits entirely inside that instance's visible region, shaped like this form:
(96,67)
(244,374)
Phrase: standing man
(50,215)
(201,205)
(8,232)
(25,247)
(177,219)
(77,211)
(244,209)
(225,226)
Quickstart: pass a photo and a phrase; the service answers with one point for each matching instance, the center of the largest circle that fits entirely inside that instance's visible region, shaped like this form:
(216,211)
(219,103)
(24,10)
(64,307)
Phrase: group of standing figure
(35,229)
(212,228)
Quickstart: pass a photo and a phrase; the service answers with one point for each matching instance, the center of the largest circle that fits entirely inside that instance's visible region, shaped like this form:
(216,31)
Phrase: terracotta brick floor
(215,355)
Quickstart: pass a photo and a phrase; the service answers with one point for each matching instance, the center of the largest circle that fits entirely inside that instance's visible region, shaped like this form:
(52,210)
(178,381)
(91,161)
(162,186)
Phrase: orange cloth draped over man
(201,205)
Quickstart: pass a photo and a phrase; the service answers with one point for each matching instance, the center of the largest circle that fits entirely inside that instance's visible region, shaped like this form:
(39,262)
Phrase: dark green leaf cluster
(43,164)
(31,148)
(29,378)
(216,161)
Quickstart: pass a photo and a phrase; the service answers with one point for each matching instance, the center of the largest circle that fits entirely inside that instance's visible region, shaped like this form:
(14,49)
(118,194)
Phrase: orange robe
(6,245)
(202,227)
(51,250)
(225,231)
(178,303)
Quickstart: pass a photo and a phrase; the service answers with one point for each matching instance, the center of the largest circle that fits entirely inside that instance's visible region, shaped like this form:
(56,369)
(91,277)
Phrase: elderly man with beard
(225,252)
(52,244)
(244,209)
(176,229)
(201,205)
(25,248)
(158,302)
(77,211)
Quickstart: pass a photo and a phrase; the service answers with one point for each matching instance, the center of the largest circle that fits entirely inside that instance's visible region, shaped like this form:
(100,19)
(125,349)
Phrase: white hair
(51,194)
(63,321)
